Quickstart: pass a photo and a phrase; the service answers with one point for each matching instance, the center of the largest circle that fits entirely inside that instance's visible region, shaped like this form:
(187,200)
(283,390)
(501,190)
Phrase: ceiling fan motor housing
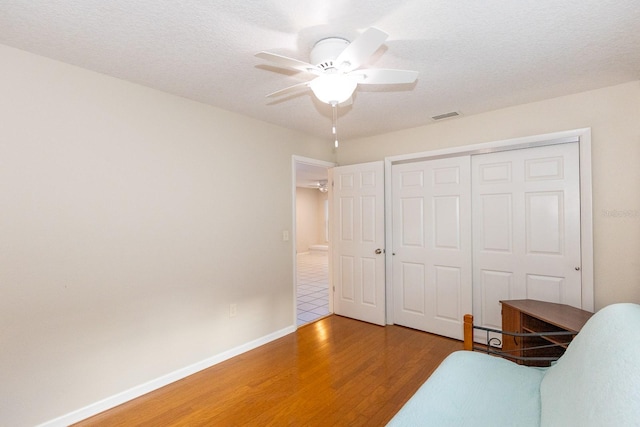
(325,52)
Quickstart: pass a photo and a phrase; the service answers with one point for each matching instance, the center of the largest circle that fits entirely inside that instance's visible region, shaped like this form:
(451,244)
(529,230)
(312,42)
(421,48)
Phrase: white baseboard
(137,391)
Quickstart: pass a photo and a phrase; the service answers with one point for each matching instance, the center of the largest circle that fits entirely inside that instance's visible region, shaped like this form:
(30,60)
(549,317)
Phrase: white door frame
(295,161)
(582,136)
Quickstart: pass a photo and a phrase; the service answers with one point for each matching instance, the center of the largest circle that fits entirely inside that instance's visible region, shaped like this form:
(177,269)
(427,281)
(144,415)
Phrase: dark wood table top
(562,315)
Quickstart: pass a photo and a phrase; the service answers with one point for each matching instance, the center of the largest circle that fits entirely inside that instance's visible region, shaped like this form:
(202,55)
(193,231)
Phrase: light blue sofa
(595,383)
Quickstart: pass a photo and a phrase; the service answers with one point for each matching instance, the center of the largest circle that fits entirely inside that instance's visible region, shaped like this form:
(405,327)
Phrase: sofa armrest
(475,389)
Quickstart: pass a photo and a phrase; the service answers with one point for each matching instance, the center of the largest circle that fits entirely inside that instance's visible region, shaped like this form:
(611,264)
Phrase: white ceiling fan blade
(381,76)
(360,49)
(290,89)
(286,62)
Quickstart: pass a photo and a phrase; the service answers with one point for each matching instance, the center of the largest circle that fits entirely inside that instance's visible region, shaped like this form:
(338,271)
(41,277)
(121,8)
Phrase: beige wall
(309,218)
(612,113)
(130,220)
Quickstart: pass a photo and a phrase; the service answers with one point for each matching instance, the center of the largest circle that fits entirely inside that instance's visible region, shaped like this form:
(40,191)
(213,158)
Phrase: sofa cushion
(475,389)
(597,381)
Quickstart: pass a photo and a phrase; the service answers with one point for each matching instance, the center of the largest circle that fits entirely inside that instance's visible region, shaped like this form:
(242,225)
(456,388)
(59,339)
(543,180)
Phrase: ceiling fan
(320,185)
(335,61)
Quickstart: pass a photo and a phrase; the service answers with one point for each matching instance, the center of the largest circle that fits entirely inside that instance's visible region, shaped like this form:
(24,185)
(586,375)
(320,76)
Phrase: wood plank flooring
(334,372)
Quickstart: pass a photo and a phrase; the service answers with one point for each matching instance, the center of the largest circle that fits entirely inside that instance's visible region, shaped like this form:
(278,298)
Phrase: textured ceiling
(473,56)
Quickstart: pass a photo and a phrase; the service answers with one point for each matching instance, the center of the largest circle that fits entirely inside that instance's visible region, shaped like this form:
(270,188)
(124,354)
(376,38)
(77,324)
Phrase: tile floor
(312,286)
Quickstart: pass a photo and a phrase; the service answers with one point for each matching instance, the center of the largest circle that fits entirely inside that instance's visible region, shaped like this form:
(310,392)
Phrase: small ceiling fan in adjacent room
(336,64)
(321,185)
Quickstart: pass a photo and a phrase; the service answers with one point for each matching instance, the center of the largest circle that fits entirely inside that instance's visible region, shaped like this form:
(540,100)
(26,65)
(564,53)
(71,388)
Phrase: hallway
(312,286)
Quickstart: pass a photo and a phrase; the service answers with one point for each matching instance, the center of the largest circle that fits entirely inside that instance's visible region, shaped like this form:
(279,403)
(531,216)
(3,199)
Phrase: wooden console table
(531,316)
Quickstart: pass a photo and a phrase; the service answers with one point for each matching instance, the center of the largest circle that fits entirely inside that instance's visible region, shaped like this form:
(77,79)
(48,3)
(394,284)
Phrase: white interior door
(358,242)
(432,272)
(526,228)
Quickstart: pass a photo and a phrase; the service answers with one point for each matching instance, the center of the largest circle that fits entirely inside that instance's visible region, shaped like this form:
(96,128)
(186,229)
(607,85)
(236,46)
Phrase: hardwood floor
(336,371)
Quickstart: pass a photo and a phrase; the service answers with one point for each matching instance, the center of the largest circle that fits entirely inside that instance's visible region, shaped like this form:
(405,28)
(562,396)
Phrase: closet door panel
(432,244)
(526,228)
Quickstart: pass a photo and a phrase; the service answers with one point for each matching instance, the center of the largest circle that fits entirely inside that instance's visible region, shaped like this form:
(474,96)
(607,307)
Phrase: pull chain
(334,129)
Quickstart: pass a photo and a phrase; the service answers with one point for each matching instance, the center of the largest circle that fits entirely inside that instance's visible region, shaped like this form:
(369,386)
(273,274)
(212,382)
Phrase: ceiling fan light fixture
(333,88)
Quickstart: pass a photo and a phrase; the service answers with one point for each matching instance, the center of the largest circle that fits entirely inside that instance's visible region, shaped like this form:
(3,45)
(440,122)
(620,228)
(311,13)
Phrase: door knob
(378,251)
(577,268)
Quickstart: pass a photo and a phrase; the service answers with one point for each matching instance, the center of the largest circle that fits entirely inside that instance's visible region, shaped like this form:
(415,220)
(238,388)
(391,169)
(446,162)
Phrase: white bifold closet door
(526,228)
(471,231)
(432,244)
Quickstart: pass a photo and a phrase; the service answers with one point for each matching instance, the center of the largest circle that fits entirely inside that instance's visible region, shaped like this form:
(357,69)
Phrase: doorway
(312,294)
